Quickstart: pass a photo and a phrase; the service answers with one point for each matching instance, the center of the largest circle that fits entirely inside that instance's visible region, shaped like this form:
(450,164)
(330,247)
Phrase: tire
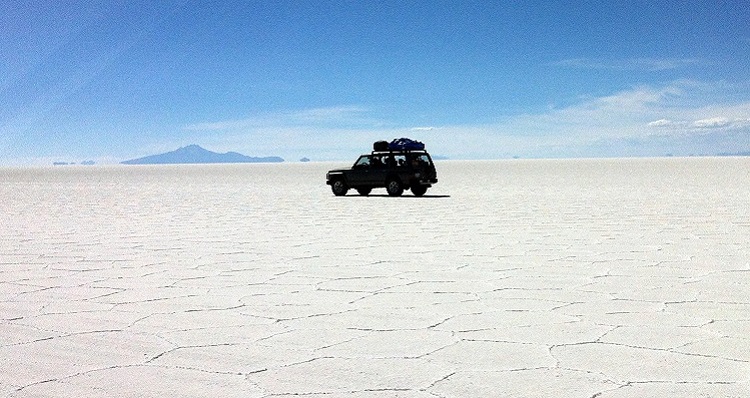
(418,190)
(394,187)
(364,191)
(339,188)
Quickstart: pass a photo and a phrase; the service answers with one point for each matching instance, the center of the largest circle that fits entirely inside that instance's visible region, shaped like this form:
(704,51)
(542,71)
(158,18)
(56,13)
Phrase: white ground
(587,278)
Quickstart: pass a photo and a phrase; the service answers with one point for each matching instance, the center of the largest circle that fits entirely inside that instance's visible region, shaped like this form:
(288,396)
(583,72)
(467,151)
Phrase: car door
(378,171)
(360,173)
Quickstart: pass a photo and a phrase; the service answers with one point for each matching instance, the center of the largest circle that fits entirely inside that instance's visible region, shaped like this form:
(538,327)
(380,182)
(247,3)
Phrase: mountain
(192,154)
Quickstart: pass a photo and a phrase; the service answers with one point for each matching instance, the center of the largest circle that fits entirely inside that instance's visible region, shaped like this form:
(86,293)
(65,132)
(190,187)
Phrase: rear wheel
(418,190)
(394,188)
(339,188)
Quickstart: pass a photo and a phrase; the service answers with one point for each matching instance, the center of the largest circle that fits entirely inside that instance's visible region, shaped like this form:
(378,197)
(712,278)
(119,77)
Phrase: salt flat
(518,278)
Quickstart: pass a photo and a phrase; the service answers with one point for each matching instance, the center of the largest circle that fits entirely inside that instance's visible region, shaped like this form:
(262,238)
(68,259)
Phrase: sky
(112,80)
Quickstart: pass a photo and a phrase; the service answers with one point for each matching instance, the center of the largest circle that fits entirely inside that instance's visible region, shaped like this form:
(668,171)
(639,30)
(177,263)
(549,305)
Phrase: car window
(376,162)
(364,161)
(424,159)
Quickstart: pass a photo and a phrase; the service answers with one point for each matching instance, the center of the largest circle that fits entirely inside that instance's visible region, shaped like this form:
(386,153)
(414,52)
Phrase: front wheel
(394,188)
(418,190)
(339,188)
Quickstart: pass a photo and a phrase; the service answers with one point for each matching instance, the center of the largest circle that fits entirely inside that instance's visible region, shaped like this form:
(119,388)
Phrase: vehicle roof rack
(400,151)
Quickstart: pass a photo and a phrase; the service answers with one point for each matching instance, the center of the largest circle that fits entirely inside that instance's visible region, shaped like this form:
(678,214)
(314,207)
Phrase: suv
(394,170)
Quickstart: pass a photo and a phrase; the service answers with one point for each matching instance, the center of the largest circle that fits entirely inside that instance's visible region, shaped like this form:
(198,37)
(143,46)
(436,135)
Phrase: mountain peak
(195,154)
(192,147)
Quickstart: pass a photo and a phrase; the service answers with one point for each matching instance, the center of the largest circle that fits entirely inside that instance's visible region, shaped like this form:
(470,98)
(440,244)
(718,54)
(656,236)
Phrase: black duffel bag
(380,146)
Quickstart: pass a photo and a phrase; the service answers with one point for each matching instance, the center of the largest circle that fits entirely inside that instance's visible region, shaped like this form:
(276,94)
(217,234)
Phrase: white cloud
(343,115)
(661,123)
(682,111)
(638,99)
(712,122)
(632,64)
(220,125)
(716,122)
(625,122)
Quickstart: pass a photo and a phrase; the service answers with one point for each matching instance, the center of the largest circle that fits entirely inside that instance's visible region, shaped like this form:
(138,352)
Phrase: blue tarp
(405,144)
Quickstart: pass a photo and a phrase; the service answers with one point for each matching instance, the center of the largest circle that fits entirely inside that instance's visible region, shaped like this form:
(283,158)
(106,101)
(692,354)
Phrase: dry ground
(523,278)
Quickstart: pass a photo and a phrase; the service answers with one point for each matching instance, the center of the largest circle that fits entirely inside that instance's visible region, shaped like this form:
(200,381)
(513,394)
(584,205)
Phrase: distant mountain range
(194,154)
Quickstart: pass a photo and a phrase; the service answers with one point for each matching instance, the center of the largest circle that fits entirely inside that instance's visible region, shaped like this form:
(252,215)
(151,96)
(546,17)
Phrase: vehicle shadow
(425,196)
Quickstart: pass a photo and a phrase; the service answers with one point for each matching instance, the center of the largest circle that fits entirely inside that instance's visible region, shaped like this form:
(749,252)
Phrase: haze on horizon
(110,81)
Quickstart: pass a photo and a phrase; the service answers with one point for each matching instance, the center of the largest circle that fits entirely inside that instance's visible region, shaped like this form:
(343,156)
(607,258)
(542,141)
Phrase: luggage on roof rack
(405,144)
(380,146)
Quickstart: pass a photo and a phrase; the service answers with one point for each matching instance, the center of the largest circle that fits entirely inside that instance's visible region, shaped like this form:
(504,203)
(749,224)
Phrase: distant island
(85,163)
(194,154)
(735,154)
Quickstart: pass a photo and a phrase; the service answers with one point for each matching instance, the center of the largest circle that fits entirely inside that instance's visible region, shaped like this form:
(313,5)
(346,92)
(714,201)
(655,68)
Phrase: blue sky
(109,81)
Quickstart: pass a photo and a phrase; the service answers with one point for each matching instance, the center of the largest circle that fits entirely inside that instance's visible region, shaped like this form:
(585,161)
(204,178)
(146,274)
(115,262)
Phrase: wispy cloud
(320,133)
(661,123)
(687,126)
(343,114)
(714,122)
(630,122)
(642,120)
(633,64)
(331,116)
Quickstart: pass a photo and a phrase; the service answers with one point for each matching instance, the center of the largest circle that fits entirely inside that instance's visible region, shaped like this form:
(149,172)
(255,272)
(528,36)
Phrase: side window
(400,160)
(363,162)
(390,161)
(419,161)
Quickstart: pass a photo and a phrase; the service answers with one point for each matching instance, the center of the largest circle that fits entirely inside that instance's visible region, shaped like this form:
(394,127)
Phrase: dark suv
(394,170)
